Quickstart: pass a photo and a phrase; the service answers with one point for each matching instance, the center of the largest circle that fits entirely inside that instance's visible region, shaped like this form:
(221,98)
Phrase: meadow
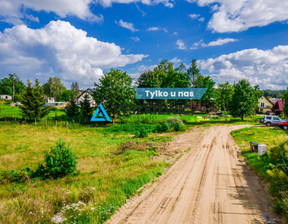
(113,164)
(107,176)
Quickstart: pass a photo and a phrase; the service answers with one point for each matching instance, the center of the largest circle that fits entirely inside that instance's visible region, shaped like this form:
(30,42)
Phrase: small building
(49,99)
(88,92)
(5,97)
(278,106)
(265,105)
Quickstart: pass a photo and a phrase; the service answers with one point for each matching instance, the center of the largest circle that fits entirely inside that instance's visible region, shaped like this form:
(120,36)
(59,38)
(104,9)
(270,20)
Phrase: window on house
(262,104)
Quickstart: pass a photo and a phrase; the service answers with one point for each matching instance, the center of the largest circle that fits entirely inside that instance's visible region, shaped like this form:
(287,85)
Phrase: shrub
(18,176)
(176,126)
(59,162)
(143,133)
(130,128)
(172,120)
(165,126)
(159,128)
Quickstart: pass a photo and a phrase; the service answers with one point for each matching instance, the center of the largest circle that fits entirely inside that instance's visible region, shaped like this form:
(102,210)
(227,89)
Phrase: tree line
(116,87)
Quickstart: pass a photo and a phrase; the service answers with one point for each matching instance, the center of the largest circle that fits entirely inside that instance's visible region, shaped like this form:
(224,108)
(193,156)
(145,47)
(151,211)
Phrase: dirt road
(209,184)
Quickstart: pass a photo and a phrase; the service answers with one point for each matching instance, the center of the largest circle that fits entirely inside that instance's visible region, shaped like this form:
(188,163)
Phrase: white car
(270,120)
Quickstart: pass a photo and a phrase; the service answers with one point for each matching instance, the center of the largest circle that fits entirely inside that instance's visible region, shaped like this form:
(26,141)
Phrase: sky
(80,40)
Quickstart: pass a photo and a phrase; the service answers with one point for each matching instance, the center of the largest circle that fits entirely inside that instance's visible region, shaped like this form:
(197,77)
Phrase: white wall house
(5,97)
(49,99)
(88,92)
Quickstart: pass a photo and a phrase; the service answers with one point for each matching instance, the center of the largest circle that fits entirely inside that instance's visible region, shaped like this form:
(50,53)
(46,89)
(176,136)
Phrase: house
(88,92)
(49,99)
(278,106)
(5,97)
(265,105)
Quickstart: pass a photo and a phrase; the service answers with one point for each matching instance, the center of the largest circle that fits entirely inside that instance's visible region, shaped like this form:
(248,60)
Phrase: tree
(33,101)
(75,89)
(86,110)
(206,82)
(193,72)
(244,100)
(66,95)
(181,68)
(177,80)
(164,66)
(149,80)
(114,88)
(224,94)
(54,87)
(285,99)
(72,110)
(12,86)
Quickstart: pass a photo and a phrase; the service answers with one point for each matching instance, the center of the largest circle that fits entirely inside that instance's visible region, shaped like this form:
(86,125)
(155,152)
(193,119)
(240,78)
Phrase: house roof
(86,91)
(267,99)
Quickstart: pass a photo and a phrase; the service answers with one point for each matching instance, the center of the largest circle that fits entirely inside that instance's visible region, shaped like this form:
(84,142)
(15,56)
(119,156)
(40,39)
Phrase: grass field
(15,112)
(272,166)
(105,181)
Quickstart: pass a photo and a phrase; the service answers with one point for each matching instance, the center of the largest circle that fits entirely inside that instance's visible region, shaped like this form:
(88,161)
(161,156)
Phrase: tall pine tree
(72,110)
(86,109)
(33,102)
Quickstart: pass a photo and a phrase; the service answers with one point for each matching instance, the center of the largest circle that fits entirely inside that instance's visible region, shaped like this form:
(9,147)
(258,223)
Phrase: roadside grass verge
(106,180)
(272,166)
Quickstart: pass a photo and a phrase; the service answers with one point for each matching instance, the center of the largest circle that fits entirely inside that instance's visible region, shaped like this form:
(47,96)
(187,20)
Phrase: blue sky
(79,40)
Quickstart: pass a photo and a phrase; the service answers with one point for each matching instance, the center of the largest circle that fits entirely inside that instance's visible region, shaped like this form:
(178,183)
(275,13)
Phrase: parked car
(283,124)
(270,120)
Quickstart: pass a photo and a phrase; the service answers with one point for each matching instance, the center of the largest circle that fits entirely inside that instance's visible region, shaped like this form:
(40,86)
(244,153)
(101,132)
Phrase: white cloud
(175,60)
(108,3)
(14,11)
(218,42)
(155,28)
(202,19)
(194,16)
(180,44)
(136,39)
(197,16)
(267,68)
(236,16)
(59,48)
(126,25)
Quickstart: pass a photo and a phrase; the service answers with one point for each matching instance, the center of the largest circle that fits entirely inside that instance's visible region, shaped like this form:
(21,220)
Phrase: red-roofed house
(278,106)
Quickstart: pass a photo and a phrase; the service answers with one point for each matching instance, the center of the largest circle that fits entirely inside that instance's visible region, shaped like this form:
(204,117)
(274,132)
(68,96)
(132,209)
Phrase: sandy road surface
(209,184)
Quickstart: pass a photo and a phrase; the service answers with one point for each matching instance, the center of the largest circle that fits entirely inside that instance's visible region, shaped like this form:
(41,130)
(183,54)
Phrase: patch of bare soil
(208,184)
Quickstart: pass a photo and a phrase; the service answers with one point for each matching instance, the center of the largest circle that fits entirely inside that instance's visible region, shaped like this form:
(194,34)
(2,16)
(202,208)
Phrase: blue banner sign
(170,93)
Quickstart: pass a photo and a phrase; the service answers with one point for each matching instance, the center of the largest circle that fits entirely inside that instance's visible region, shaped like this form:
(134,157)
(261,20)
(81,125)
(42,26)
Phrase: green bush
(17,176)
(176,126)
(159,128)
(172,120)
(130,128)
(165,126)
(143,133)
(59,162)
